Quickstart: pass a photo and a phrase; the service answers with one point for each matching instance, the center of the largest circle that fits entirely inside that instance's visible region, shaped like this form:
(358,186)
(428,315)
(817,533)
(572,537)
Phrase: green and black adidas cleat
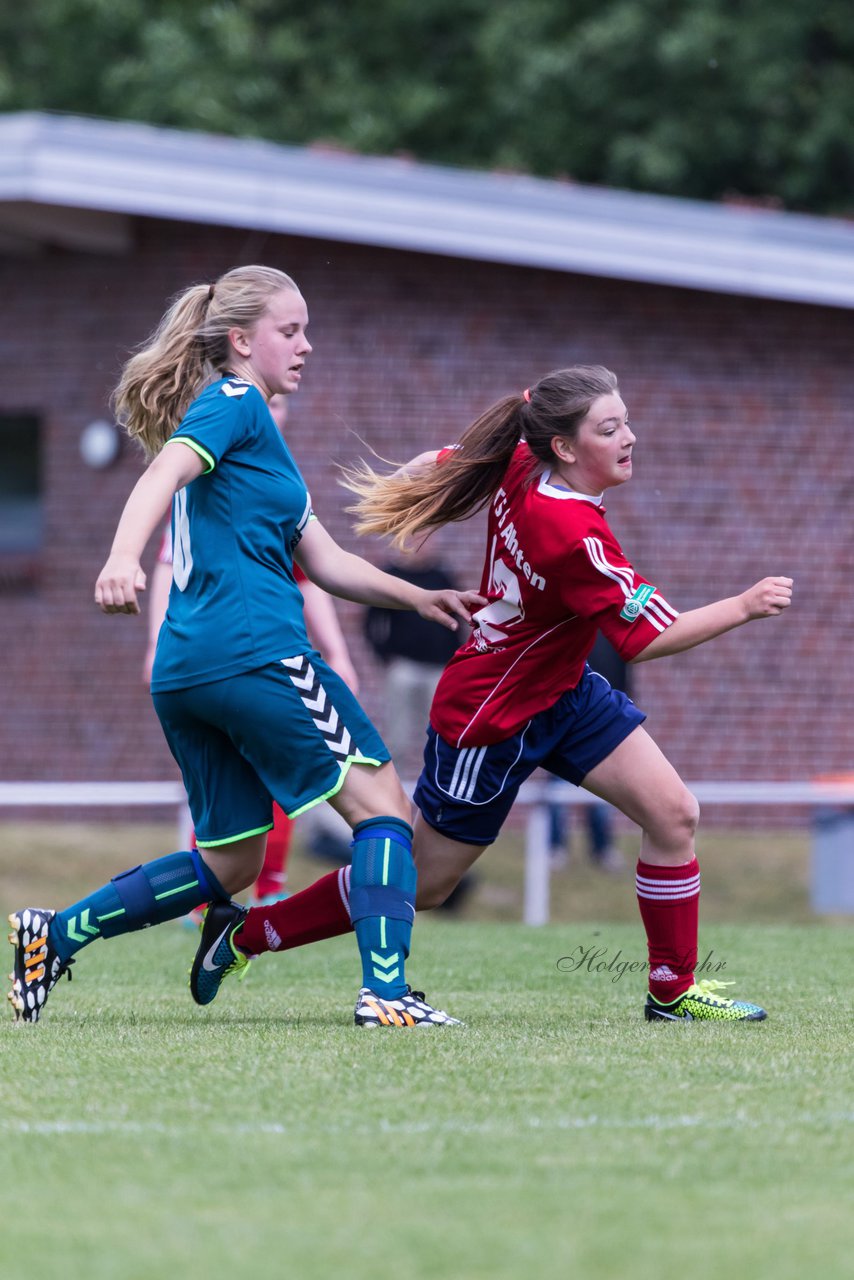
(701,1003)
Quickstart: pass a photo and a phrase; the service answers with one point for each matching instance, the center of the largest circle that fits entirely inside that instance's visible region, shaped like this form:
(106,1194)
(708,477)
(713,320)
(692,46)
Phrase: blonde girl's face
(272,355)
(600,456)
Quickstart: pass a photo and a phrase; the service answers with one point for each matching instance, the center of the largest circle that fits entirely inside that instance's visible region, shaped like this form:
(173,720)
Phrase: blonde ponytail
(188,348)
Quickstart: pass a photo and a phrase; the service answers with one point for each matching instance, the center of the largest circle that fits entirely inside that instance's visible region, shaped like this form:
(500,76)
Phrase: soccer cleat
(217,955)
(408,1010)
(700,1003)
(37,967)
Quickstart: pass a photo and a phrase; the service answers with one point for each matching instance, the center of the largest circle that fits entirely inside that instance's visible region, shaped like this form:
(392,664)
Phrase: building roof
(80,182)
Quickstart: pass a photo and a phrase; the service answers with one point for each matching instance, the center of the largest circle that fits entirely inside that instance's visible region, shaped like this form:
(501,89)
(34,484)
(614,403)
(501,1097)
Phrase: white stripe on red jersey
(624,577)
(657,608)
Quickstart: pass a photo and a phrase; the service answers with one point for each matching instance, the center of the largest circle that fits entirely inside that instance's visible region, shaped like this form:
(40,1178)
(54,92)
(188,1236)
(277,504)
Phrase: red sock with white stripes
(668,898)
(320,911)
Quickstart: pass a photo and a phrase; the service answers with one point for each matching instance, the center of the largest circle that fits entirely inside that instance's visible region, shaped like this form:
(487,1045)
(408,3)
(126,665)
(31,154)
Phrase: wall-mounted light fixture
(100,444)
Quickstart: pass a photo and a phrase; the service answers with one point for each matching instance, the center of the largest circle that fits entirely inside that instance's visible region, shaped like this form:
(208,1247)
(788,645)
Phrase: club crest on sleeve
(634,607)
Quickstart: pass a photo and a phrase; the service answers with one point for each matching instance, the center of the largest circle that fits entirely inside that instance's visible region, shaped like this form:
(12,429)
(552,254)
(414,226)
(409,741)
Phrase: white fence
(539,795)
(536,795)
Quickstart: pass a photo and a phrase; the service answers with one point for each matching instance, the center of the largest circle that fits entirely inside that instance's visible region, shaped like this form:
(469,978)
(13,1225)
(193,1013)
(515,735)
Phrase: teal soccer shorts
(287,732)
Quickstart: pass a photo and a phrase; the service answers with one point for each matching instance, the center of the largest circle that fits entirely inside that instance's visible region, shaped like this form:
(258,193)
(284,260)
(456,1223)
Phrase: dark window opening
(21,515)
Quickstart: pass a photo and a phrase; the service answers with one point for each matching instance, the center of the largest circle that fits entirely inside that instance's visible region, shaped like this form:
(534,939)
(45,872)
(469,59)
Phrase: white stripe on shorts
(466,772)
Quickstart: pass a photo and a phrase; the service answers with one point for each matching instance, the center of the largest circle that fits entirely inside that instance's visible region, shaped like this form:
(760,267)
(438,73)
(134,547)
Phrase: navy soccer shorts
(466,793)
(289,730)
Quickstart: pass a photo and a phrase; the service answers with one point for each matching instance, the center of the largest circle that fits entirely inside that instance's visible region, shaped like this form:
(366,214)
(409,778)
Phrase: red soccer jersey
(554,576)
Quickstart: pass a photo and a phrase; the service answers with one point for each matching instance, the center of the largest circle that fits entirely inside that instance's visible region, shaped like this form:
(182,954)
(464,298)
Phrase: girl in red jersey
(519,693)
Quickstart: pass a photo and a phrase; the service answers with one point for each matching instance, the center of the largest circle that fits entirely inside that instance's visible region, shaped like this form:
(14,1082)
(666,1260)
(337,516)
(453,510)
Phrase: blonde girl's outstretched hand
(447,606)
(768,597)
(118,585)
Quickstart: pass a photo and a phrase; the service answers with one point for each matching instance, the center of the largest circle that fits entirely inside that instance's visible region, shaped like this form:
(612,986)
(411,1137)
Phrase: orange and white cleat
(37,966)
(408,1010)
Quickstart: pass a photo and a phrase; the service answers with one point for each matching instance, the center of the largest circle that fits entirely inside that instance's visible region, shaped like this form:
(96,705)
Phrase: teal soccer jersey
(234,604)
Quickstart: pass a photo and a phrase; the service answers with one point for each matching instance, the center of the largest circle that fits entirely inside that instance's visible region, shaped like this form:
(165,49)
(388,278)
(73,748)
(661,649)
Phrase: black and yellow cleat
(701,1003)
(409,1010)
(218,956)
(37,966)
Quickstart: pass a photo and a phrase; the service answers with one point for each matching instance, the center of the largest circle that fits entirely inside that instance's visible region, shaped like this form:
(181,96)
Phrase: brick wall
(743,468)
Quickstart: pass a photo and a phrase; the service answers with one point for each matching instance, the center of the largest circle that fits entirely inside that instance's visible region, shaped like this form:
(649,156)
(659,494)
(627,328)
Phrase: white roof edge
(147,171)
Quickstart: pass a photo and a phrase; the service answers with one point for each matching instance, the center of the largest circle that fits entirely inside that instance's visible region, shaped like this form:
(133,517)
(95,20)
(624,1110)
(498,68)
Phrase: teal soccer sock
(160,890)
(382,902)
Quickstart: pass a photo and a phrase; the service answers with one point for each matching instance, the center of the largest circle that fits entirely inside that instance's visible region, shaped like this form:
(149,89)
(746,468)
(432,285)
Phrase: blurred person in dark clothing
(413,653)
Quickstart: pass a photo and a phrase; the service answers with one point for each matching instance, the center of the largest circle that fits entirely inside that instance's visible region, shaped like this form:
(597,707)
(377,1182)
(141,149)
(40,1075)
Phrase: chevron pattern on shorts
(316,701)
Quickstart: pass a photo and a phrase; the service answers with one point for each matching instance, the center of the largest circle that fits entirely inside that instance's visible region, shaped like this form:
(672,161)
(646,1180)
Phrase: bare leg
(639,780)
(441,864)
(636,778)
(371,792)
(236,865)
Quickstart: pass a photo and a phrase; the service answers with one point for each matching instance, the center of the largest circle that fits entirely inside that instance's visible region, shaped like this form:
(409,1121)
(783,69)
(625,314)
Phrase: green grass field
(555,1134)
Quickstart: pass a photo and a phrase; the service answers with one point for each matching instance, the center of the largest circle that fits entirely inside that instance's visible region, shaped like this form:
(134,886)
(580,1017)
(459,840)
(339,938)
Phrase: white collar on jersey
(559,491)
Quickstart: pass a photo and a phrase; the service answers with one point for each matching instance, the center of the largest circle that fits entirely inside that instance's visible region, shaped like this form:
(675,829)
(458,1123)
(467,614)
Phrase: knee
(435,882)
(672,824)
(235,877)
(238,865)
(431,894)
(684,815)
(369,793)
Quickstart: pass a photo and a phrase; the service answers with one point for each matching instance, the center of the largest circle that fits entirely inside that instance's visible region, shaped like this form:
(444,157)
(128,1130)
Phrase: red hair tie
(526,395)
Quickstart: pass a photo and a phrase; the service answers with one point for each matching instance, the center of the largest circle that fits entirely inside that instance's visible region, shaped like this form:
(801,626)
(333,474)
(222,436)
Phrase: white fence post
(537,865)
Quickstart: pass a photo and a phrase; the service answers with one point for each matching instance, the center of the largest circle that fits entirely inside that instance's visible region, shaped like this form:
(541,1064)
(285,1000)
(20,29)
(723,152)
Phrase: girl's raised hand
(768,597)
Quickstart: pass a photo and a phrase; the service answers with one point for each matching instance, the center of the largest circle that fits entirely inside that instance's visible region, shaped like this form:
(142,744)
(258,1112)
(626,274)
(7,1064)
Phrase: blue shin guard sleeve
(382,902)
(160,890)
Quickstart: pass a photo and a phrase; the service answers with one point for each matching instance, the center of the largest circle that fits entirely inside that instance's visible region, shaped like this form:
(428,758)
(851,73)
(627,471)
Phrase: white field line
(107,1128)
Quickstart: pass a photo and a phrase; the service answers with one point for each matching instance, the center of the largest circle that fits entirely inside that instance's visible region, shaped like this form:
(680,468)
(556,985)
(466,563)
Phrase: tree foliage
(703,98)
